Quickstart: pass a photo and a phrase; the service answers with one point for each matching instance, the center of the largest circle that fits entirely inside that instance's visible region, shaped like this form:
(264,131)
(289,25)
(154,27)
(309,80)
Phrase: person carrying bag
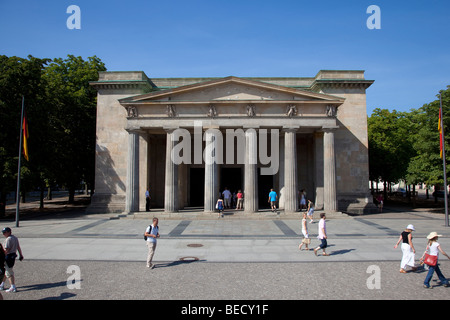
(430,257)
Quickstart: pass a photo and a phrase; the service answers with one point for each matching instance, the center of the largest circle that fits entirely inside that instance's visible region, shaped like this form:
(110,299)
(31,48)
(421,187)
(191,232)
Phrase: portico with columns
(143,122)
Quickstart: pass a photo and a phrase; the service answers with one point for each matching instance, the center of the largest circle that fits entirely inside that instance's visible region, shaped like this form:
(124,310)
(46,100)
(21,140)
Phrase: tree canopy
(405,145)
(61,111)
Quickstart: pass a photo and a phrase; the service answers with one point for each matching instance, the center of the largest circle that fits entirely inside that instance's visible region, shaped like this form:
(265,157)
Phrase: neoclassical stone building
(309,133)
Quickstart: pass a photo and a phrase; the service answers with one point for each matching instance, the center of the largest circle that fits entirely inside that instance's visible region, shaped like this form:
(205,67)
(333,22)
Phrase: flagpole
(20,160)
(443,161)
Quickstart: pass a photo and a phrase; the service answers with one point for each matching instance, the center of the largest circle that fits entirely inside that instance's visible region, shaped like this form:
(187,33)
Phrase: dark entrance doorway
(197,187)
(231,178)
(265,183)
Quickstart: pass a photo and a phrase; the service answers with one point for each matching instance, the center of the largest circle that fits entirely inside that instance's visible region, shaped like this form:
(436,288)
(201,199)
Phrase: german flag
(25,137)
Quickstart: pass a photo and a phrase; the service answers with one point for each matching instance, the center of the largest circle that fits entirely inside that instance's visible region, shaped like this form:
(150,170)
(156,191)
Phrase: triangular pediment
(231,89)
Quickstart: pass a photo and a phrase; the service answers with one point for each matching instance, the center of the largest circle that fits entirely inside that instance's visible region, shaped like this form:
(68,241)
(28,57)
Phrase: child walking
(220,206)
(433,249)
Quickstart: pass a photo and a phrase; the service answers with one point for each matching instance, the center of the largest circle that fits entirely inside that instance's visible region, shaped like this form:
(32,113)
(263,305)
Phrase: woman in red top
(240,200)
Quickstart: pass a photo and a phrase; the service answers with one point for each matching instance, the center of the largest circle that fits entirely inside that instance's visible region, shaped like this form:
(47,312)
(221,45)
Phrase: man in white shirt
(226,197)
(152,232)
(322,235)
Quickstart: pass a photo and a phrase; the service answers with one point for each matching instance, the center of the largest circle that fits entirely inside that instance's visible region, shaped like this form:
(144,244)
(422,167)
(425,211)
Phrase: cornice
(338,83)
(121,84)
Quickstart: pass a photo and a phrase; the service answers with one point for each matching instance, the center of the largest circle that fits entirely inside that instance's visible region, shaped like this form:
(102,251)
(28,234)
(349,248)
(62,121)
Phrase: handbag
(306,241)
(430,260)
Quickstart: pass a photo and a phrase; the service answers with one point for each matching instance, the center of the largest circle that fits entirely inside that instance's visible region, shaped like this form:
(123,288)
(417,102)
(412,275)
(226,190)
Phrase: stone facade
(321,143)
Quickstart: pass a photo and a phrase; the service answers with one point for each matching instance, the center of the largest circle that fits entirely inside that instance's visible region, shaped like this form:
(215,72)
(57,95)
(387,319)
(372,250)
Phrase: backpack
(145,237)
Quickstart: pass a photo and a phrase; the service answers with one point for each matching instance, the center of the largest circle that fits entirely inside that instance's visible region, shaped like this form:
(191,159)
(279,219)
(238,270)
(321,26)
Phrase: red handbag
(430,260)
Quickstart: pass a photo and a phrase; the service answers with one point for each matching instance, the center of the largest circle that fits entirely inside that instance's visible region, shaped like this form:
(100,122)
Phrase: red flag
(25,137)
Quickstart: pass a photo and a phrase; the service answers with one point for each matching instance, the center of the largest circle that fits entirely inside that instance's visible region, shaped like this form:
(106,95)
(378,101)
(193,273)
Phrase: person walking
(433,247)
(302,199)
(10,247)
(322,235)
(147,200)
(220,206)
(310,211)
(306,240)
(240,200)
(152,233)
(407,249)
(380,202)
(273,200)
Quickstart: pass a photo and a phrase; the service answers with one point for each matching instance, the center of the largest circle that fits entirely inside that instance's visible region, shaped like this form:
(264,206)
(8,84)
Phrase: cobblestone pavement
(231,258)
(199,280)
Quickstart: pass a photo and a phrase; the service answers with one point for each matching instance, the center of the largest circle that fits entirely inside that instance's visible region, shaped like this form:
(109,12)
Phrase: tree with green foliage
(73,118)
(61,112)
(390,135)
(19,77)
(427,166)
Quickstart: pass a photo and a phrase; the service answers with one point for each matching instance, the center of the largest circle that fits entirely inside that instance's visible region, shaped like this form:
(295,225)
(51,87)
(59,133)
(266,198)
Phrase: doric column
(290,170)
(329,171)
(143,168)
(211,169)
(251,173)
(171,186)
(132,187)
(281,174)
(318,169)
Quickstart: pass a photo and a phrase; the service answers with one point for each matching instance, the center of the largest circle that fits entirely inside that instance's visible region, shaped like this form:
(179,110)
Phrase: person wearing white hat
(433,248)
(407,249)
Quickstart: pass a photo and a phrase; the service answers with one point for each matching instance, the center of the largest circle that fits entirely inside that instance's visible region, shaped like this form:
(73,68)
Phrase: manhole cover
(195,245)
(189,259)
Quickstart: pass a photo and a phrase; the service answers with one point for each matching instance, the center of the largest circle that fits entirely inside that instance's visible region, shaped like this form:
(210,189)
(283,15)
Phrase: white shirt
(154,232)
(434,251)
(322,225)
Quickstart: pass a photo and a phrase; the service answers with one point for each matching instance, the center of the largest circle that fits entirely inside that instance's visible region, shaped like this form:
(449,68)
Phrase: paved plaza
(236,257)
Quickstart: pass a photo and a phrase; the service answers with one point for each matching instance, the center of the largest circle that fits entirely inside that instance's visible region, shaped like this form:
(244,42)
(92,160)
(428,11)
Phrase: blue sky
(409,57)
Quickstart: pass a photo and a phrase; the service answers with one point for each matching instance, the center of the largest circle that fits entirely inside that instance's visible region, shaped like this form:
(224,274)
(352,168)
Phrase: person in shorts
(322,235)
(10,247)
(273,200)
